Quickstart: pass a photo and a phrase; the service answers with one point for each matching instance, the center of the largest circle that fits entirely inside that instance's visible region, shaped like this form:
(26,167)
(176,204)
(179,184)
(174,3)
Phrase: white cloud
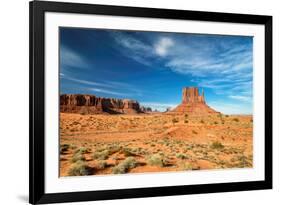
(134,48)
(162,46)
(86,82)
(99,90)
(240,97)
(68,57)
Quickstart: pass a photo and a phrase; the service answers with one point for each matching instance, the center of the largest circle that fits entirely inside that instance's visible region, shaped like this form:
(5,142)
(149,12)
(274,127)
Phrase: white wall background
(14,100)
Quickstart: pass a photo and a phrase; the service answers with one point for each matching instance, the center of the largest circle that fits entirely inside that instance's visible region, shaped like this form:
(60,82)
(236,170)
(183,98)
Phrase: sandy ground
(118,144)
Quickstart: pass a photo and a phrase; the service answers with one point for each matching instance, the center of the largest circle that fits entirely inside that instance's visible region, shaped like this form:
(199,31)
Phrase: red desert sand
(101,136)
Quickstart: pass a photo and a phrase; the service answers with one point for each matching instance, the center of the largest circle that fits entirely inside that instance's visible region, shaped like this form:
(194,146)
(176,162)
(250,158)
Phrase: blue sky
(153,67)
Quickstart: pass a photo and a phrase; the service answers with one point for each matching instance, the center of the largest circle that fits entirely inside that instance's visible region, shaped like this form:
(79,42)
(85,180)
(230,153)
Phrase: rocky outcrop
(145,109)
(91,104)
(193,103)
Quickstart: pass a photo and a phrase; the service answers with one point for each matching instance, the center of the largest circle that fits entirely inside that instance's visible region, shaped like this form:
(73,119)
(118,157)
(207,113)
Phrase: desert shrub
(226,115)
(80,168)
(123,167)
(243,161)
(175,120)
(157,160)
(64,148)
(216,123)
(185,121)
(217,145)
(128,152)
(78,157)
(102,155)
(186,115)
(114,148)
(186,166)
(202,121)
(251,120)
(82,150)
(72,146)
(194,132)
(181,156)
(235,119)
(102,164)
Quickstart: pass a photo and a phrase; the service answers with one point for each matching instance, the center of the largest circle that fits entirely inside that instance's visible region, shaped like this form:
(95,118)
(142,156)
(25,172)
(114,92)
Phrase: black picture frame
(37,11)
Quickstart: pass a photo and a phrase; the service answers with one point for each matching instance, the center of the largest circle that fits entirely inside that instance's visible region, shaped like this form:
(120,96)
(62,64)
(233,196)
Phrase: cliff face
(90,104)
(193,102)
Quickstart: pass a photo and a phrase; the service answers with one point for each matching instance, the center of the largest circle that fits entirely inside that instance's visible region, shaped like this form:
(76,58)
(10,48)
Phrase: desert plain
(100,144)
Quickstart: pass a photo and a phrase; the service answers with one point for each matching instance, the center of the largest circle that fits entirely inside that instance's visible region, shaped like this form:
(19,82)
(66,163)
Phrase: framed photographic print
(140,102)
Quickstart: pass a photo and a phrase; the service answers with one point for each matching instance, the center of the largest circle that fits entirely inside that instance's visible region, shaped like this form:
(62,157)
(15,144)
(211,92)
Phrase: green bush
(123,167)
(157,160)
(128,152)
(80,168)
(82,150)
(78,157)
(181,156)
(102,155)
(217,145)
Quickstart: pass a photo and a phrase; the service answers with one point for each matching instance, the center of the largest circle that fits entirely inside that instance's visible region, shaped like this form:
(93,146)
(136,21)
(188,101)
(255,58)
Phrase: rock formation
(193,102)
(91,104)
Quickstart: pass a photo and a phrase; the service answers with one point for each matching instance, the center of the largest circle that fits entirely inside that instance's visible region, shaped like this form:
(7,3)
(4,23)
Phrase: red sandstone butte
(193,103)
(91,104)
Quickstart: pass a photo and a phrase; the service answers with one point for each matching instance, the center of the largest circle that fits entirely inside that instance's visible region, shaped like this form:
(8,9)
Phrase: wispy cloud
(86,82)
(69,57)
(106,87)
(224,65)
(240,97)
(134,48)
(99,90)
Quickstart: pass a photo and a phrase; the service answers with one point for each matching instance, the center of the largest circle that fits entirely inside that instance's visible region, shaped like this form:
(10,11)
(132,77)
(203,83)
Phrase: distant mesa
(193,103)
(91,104)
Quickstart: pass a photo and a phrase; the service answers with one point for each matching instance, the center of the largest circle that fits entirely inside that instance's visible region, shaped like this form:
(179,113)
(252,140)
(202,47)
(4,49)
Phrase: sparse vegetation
(181,156)
(194,132)
(102,155)
(175,120)
(78,157)
(235,119)
(102,164)
(82,150)
(217,145)
(80,168)
(64,148)
(163,141)
(157,160)
(128,152)
(123,167)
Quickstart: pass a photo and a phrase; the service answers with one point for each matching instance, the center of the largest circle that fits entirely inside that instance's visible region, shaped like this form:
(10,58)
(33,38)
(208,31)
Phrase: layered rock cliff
(193,102)
(91,104)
